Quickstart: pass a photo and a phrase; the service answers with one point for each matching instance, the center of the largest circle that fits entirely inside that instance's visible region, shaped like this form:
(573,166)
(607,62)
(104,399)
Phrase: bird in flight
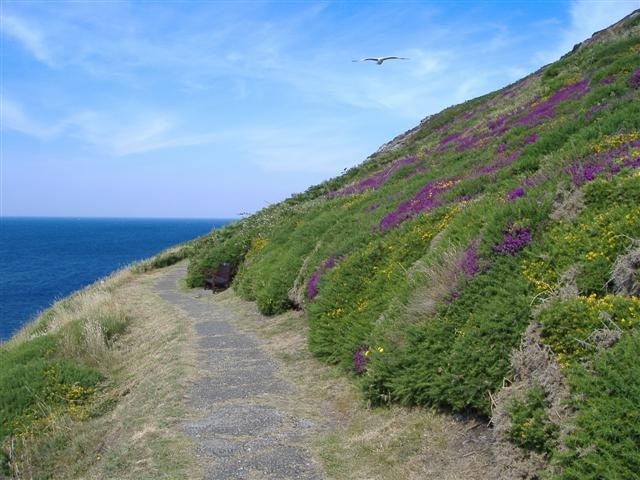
(379,60)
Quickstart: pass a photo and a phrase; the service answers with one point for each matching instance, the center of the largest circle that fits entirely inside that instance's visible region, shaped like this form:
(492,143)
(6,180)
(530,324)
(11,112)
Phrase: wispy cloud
(31,38)
(117,134)
(14,117)
(586,18)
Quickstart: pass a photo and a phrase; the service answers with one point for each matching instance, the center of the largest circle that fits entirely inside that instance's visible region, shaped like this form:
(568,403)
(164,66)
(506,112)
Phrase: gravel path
(238,431)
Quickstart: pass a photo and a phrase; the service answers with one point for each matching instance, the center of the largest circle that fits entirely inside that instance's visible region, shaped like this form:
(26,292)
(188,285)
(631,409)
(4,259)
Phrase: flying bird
(379,60)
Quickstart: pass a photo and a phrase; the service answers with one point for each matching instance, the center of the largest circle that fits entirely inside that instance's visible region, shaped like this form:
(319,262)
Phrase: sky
(213,109)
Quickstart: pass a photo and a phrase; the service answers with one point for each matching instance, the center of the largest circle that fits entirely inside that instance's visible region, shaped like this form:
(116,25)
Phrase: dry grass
(568,204)
(533,365)
(626,272)
(351,440)
(130,429)
(439,281)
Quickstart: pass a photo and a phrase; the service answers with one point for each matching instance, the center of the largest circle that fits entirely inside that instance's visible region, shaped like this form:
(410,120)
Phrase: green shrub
(568,326)
(605,440)
(34,380)
(454,359)
(533,250)
(531,428)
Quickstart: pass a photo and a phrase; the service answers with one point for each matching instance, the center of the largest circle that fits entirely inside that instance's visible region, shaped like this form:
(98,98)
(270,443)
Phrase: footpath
(238,431)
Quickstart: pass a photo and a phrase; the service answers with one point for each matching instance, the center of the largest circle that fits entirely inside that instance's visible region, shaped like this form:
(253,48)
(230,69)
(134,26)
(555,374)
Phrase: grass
(114,359)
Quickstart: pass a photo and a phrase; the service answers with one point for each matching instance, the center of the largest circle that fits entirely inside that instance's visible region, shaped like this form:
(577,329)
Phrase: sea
(45,259)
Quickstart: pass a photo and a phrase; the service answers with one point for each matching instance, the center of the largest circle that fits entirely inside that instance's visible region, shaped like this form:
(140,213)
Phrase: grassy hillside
(485,263)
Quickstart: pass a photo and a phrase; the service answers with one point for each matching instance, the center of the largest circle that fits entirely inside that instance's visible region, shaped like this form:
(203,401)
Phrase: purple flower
(545,110)
(605,162)
(585,173)
(427,198)
(530,138)
(444,142)
(469,263)
(500,162)
(514,239)
(515,193)
(609,79)
(469,115)
(375,180)
(499,126)
(501,148)
(634,80)
(360,358)
(312,284)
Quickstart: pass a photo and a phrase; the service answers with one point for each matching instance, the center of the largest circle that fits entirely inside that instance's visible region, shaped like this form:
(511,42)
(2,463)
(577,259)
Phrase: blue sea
(45,259)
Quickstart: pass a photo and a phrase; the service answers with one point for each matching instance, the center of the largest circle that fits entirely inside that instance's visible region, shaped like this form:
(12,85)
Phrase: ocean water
(45,259)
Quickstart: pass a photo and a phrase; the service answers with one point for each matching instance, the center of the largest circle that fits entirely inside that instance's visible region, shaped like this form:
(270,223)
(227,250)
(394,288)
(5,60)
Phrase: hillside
(485,263)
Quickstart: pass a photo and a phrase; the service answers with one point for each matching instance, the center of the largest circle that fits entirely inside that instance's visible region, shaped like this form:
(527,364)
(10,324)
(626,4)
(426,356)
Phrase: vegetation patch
(530,426)
(82,394)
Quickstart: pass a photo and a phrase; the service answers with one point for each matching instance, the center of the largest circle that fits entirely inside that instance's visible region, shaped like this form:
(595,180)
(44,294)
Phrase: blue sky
(212,108)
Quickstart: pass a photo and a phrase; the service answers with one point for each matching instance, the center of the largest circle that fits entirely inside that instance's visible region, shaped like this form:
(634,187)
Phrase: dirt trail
(239,432)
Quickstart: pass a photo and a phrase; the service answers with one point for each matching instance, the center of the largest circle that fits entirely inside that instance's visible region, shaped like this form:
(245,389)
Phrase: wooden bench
(219,278)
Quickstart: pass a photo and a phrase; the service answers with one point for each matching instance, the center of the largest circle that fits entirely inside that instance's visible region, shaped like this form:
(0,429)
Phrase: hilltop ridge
(484,263)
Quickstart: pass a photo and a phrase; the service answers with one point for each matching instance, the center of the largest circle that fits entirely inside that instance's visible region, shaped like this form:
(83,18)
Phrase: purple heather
(634,80)
(427,198)
(515,193)
(469,262)
(609,162)
(514,239)
(376,180)
(609,79)
(545,109)
(359,358)
(312,284)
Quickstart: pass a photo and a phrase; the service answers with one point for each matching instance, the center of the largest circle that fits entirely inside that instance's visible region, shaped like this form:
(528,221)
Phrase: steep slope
(485,262)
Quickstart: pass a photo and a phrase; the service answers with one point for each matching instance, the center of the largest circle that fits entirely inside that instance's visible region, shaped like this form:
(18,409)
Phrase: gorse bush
(509,208)
(604,440)
(531,428)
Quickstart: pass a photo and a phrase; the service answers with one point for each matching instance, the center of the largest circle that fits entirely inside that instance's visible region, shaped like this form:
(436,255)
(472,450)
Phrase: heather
(502,214)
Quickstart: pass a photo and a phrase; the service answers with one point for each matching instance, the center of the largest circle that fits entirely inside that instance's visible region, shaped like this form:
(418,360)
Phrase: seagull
(379,60)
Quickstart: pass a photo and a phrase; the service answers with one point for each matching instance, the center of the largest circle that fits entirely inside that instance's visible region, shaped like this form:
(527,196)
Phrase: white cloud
(141,132)
(588,17)
(112,133)
(31,38)
(13,117)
